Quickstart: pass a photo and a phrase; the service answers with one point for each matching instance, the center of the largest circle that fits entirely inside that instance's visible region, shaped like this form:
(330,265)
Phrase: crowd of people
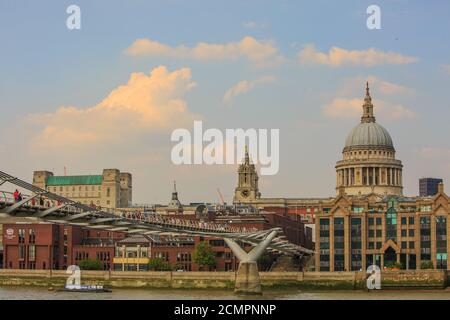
(151,217)
(189,223)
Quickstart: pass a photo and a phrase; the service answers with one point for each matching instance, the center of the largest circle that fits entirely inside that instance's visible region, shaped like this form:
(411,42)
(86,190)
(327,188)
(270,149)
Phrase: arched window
(391,221)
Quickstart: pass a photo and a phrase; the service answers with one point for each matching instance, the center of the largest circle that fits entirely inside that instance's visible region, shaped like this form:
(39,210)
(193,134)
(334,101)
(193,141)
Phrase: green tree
(158,264)
(204,255)
(426,264)
(90,264)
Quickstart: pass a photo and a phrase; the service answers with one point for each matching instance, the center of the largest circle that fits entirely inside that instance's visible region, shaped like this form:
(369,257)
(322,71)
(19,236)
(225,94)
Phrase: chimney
(441,187)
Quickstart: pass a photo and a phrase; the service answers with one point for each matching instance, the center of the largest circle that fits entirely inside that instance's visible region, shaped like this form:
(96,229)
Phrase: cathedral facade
(369,221)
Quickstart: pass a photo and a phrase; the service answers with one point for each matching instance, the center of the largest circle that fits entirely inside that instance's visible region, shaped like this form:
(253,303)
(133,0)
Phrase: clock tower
(247,188)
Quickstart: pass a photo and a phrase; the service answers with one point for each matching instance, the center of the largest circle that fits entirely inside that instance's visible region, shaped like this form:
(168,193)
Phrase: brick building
(52,246)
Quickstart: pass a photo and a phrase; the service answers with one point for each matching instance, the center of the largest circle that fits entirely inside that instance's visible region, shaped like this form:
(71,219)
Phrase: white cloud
(147,103)
(337,57)
(349,98)
(259,52)
(244,86)
(352,108)
(446,68)
(380,87)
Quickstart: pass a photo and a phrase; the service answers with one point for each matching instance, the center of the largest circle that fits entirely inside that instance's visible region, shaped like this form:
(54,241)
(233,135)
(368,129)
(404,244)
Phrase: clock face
(245,193)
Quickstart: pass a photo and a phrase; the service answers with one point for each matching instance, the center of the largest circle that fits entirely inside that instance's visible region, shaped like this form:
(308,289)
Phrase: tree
(90,264)
(158,264)
(426,264)
(204,255)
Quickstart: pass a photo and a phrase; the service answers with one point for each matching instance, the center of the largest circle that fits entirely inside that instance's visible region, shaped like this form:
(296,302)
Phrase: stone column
(317,244)
(448,241)
(407,261)
(331,243)
(363,241)
(433,239)
(347,249)
(345,177)
(373,176)
(417,240)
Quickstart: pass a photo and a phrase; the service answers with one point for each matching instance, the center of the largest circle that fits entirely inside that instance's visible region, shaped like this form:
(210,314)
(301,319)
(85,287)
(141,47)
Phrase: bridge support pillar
(247,277)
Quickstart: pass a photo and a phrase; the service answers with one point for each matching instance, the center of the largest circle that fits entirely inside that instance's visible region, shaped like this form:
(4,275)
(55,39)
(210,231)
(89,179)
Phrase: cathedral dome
(369,134)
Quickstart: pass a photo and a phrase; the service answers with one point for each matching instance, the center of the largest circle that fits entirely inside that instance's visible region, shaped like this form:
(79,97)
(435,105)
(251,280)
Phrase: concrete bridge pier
(247,277)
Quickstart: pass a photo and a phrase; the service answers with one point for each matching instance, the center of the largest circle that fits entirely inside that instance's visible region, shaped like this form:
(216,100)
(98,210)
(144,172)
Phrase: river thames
(35,293)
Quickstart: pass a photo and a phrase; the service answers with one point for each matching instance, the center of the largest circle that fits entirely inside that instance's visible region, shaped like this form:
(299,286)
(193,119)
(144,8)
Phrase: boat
(89,289)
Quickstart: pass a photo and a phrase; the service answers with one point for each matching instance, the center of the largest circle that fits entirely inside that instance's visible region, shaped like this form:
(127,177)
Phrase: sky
(110,94)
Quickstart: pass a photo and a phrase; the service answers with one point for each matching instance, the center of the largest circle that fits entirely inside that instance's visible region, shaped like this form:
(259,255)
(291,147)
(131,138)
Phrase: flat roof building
(111,189)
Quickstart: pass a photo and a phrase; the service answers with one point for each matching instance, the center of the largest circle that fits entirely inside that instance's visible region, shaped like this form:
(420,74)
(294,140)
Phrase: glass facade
(356,244)
(391,224)
(324,244)
(425,238)
(339,244)
(441,242)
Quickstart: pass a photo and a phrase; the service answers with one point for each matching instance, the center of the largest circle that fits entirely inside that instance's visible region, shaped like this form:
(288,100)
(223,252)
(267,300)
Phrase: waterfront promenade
(420,279)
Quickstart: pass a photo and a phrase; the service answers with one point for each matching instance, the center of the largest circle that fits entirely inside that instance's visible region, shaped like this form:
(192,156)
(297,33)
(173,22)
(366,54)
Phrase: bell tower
(247,188)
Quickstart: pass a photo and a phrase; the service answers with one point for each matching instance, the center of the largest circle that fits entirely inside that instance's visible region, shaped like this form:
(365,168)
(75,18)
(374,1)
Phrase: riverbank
(404,279)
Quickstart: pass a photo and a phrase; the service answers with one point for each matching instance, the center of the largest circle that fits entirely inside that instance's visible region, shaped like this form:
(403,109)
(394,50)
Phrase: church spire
(367,107)
(174,193)
(247,157)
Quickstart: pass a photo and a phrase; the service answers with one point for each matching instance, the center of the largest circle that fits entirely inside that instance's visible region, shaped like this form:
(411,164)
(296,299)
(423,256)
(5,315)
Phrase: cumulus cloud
(379,87)
(257,51)
(337,57)
(446,68)
(245,86)
(352,108)
(147,103)
(348,99)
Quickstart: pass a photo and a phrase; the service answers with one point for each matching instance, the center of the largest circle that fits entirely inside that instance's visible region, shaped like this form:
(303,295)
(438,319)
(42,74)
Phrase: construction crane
(221,196)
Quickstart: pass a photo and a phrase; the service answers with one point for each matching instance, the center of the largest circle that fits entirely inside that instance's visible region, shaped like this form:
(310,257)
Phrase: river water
(36,293)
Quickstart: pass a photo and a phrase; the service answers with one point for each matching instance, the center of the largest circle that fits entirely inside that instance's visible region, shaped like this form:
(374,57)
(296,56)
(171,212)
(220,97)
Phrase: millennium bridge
(67,211)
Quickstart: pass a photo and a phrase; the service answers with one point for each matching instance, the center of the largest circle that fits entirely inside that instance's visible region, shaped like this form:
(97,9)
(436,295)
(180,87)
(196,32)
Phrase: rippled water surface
(33,293)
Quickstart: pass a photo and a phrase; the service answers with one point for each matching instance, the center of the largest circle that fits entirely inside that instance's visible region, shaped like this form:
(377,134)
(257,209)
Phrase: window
(426,208)
(391,224)
(411,232)
(32,236)
(371,222)
(404,245)
(379,234)
(21,235)
(371,233)
(31,253)
(411,220)
(411,244)
(21,252)
(379,221)
(403,220)
(356,209)
(404,232)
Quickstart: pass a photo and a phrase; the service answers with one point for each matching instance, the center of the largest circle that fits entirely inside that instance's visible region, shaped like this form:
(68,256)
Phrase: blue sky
(45,66)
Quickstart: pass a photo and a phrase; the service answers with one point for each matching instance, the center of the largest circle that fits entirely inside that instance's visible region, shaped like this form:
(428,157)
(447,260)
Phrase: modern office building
(428,186)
